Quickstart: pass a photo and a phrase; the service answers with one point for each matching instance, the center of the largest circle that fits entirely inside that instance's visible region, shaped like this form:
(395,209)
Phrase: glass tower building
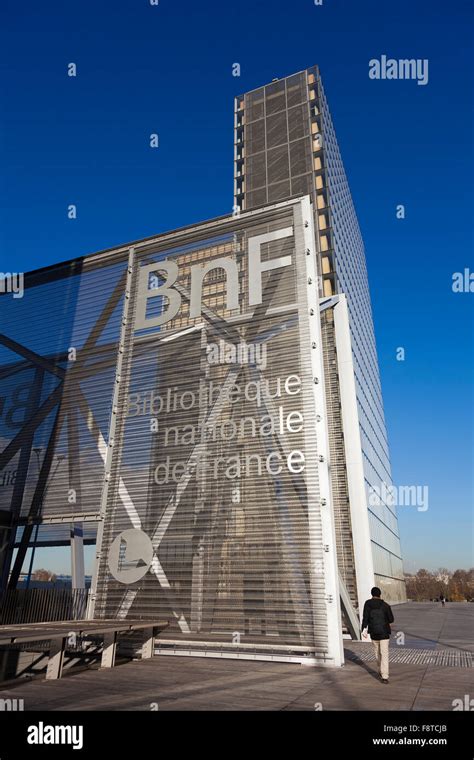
(285,146)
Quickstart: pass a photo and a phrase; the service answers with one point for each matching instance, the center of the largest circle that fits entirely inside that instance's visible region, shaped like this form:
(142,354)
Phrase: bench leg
(148,644)
(109,650)
(56,659)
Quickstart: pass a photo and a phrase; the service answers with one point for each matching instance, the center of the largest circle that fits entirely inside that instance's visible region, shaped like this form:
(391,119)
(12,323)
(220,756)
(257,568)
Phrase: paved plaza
(431,669)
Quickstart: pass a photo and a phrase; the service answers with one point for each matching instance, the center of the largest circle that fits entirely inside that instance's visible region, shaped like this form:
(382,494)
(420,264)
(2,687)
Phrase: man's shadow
(366,667)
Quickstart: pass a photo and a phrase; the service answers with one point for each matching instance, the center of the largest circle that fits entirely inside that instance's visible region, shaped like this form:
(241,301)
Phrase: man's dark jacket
(377,618)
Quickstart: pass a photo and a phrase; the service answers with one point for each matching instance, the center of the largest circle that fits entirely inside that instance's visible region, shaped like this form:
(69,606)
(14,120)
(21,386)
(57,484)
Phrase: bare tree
(425,585)
(43,575)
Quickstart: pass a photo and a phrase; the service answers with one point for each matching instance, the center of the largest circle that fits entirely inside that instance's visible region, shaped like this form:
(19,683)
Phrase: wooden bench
(59,634)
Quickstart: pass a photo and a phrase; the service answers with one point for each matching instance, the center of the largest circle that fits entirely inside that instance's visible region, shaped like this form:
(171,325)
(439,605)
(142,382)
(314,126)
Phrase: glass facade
(58,349)
(216,456)
(184,424)
(285,142)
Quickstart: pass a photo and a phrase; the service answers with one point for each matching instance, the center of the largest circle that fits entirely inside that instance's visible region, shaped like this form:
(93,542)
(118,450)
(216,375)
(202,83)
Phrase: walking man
(377,618)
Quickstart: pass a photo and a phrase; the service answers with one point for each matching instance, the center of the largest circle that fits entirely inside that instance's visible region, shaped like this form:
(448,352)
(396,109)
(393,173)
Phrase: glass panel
(275,99)
(277,164)
(255,137)
(276,130)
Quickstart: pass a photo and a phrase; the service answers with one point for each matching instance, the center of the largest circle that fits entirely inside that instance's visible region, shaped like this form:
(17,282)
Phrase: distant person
(377,618)
(442,600)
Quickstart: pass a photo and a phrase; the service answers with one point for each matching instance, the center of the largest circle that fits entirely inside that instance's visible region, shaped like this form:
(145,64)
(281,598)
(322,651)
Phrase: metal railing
(42,605)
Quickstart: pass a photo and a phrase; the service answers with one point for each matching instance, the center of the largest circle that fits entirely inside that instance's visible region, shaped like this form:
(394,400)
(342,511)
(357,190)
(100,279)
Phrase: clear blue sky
(168,69)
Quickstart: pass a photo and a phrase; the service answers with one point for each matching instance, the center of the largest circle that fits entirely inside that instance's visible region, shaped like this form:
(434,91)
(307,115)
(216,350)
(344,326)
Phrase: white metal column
(330,567)
(364,565)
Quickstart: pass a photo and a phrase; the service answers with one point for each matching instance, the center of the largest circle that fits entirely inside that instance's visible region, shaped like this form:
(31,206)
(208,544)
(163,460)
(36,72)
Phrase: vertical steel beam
(74,467)
(325,506)
(77,556)
(352,618)
(197,579)
(124,332)
(363,558)
(34,400)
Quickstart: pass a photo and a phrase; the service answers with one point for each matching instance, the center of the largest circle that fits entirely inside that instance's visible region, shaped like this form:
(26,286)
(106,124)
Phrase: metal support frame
(364,566)
(350,613)
(34,401)
(78,579)
(125,327)
(5,539)
(60,518)
(31,425)
(36,501)
(341,336)
(77,542)
(35,416)
(331,572)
